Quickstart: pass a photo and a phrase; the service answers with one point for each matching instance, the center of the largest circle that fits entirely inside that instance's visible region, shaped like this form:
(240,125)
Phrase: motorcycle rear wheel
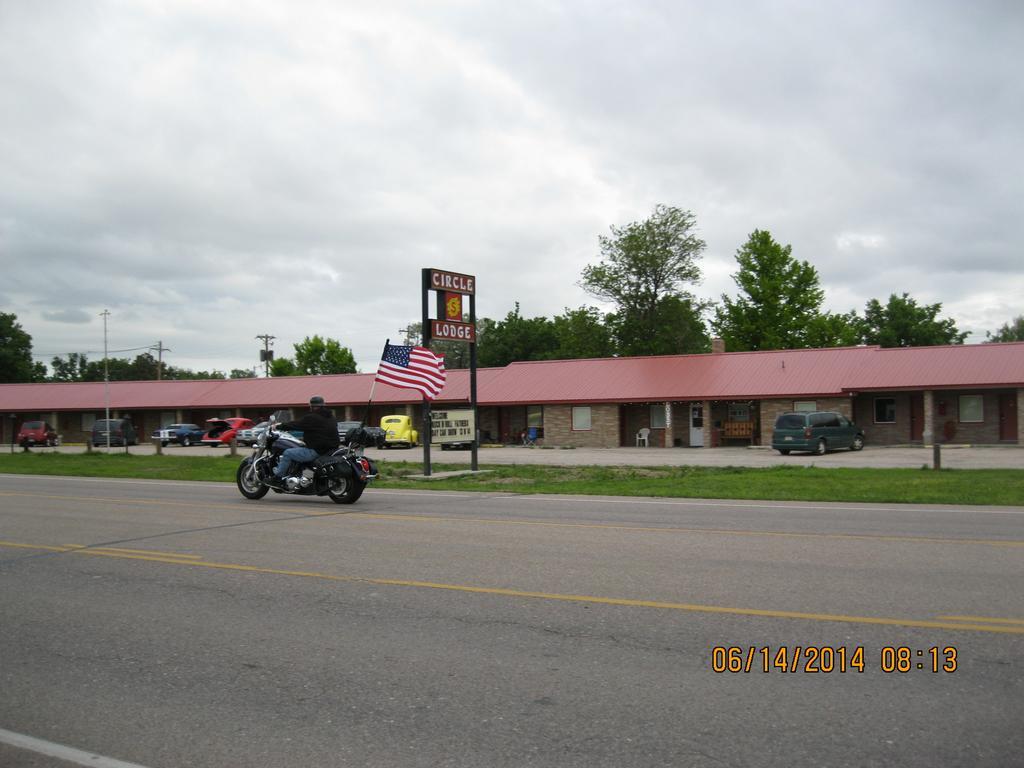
(249,484)
(345,490)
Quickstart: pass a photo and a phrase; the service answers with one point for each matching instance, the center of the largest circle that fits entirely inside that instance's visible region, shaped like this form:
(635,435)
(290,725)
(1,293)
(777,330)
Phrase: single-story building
(920,395)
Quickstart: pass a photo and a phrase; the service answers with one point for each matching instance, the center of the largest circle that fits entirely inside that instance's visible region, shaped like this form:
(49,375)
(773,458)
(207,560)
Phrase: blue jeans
(298,455)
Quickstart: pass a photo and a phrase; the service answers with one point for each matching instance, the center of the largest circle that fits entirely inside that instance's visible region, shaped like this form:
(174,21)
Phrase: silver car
(251,435)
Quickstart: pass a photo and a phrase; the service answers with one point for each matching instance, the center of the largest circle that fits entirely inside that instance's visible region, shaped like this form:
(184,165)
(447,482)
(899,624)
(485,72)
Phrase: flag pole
(373,383)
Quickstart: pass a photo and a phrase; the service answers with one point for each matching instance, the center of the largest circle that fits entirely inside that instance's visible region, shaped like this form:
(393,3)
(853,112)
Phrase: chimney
(717,346)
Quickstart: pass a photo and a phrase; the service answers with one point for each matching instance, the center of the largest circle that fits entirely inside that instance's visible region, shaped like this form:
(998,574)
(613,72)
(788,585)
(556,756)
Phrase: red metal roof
(725,376)
(958,366)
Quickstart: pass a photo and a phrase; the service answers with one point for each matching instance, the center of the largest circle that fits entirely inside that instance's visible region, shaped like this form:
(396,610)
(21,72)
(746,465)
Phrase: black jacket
(319,430)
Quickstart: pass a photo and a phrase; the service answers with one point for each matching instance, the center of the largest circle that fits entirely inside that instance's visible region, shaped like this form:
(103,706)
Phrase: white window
(739,412)
(535,415)
(88,419)
(972,409)
(885,410)
(805,406)
(580,418)
(658,416)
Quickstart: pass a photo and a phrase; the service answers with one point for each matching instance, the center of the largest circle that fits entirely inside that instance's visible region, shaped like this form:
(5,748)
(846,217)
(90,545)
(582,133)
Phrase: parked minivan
(122,432)
(817,432)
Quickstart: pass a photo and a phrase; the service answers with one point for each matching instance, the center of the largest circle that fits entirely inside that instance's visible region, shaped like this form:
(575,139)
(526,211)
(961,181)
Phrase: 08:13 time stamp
(825,659)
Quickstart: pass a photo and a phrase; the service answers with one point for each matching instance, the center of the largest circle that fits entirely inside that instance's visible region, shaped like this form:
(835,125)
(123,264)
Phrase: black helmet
(316,401)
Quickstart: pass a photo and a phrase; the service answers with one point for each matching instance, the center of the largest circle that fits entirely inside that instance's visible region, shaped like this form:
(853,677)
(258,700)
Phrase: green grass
(910,486)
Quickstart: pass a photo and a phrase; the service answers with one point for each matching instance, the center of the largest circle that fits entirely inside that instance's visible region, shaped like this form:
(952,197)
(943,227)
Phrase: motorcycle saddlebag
(332,466)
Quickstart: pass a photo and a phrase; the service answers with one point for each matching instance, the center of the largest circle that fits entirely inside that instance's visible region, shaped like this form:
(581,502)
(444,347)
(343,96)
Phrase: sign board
(454,282)
(452,426)
(448,330)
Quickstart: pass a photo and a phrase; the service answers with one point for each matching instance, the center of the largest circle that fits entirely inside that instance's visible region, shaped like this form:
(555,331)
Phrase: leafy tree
(283,366)
(643,264)
(582,333)
(902,323)
(779,305)
(835,330)
(16,364)
(241,373)
(314,355)
(71,367)
(1012,331)
(515,338)
(679,329)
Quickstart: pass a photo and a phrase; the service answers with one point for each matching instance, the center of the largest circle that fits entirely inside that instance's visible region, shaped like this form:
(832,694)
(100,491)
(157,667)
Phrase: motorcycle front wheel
(345,490)
(248,481)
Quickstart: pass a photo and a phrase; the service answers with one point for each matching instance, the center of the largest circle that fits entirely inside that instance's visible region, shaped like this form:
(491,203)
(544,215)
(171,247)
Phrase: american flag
(412,368)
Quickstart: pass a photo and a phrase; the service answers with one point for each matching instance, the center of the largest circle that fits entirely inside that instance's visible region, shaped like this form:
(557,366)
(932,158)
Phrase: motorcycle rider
(319,433)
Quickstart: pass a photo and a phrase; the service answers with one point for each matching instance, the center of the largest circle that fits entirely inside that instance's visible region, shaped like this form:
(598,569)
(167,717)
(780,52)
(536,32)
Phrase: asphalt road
(173,624)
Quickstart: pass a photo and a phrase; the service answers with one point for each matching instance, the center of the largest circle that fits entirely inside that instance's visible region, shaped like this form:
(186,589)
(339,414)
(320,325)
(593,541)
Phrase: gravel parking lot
(952,456)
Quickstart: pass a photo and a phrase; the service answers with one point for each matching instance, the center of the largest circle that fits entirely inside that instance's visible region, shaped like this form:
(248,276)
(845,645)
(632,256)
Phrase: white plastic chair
(642,438)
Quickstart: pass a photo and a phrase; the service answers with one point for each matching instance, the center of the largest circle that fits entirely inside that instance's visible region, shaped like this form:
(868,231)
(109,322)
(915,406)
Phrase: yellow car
(398,431)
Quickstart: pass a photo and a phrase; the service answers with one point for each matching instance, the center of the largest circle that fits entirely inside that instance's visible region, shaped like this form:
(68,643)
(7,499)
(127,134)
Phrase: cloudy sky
(211,171)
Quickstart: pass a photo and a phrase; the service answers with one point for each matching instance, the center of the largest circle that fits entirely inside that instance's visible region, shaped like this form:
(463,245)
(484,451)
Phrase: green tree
(582,333)
(835,330)
(779,305)
(16,364)
(515,338)
(241,373)
(70,367)
(643,264)
(283,366)
(314,355)
(902,323)
(1012,331)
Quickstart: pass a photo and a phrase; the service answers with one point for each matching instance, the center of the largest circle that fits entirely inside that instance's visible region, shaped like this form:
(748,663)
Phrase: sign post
(451,287)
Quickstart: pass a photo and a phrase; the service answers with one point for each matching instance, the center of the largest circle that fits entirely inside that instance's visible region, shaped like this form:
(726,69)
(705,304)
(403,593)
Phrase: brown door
(1008,417)
(916,417)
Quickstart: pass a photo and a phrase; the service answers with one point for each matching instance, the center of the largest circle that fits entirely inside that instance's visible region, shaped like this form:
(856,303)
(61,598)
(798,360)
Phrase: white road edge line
(69,754)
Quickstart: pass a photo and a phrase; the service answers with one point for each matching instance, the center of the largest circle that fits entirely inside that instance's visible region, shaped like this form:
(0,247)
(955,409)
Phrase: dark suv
(817,432)
(37,433)
(122,432)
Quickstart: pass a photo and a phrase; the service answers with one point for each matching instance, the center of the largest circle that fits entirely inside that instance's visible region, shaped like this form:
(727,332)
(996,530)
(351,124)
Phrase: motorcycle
(343,474)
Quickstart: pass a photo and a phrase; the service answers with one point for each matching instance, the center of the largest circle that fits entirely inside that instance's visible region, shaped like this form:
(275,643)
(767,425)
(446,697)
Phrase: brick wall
(896,433)
(603,432)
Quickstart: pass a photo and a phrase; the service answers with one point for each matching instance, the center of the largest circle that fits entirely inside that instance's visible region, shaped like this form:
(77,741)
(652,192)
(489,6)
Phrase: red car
(223,431)
(36,433)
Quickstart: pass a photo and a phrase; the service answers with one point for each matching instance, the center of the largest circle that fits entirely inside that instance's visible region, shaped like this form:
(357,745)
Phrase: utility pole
(408,330)
(106,375)
(160,349)
(265,354)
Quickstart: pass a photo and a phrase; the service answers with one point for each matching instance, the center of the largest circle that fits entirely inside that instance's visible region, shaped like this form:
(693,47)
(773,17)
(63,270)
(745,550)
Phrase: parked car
(398,431)
(120,431)
(250,435)
(223,431)
(37,433)
(376,434)
(817,432)
(183,434)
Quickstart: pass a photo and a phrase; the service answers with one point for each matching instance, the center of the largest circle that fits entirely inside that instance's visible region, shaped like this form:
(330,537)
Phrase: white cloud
(181,162)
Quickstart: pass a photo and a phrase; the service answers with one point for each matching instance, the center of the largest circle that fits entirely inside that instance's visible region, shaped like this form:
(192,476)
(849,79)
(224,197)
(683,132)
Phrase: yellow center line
(985,619)
(994,627)
(133,551)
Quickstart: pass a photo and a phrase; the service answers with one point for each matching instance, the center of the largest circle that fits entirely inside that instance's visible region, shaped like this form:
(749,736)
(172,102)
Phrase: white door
(696,426)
